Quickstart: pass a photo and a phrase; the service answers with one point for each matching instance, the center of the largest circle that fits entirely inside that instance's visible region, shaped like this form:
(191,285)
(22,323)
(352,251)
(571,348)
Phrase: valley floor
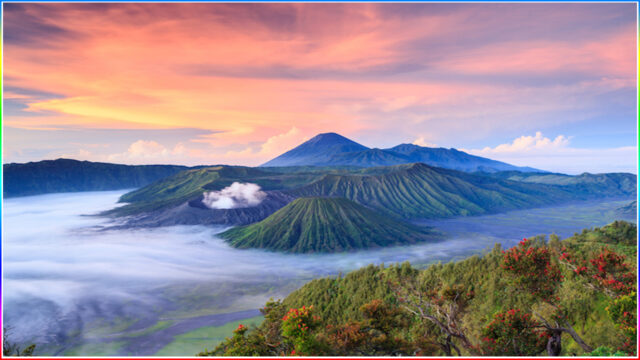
(76,290)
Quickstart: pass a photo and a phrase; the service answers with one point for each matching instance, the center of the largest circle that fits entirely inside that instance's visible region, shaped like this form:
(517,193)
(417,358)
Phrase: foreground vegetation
(543,297)
(10,348)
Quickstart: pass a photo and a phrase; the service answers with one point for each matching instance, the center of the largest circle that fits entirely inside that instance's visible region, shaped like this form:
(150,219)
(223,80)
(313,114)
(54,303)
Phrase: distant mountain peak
(332,149)
(320,148)
(405,146)
(329,138)
(330,135)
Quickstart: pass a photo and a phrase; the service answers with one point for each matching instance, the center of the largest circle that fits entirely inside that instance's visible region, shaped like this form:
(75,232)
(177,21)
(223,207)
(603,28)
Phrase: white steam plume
(235,196)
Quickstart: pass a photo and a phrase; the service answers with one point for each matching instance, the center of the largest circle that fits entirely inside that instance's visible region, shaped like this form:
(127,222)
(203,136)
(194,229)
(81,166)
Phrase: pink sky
(253,80)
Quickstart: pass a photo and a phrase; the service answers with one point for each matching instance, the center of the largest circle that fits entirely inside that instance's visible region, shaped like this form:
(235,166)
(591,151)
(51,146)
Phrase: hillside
(422,191)
(608,184)
(311,225)
(361,313)
(191,184)
(629,209)
(369,158)
(194,212)
(65,175)
(406,191)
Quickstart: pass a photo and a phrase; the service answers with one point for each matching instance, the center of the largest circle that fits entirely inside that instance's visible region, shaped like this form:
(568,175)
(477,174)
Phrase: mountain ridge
(331,149)
(422,191)
(68,175)
(408,191)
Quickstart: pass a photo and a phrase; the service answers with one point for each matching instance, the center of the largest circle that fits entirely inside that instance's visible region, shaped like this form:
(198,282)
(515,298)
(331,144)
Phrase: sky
(552,86)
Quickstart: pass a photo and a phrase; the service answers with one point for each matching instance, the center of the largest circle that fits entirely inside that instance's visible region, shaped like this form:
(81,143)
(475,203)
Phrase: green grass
(117,325)
(193,342)
(163,324)
(96,349)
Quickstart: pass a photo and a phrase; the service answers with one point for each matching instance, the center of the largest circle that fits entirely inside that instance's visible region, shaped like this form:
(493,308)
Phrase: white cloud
(558,156)
(421,142)
(537,143)
(147,152)
(235,195)
(271,148)
(152,152)
(146,149)
(80,154)
(278,144)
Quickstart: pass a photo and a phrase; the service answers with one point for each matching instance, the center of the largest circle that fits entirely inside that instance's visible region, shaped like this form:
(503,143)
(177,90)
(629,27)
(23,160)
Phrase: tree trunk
(577,338)
(446,347)
(554,345)
(467,345)
(569,329)
(456,349)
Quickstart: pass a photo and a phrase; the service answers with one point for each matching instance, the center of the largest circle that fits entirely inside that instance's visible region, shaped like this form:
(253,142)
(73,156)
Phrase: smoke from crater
(237,195)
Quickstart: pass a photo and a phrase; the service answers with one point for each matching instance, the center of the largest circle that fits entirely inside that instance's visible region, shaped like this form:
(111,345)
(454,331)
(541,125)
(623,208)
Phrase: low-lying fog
(64,277)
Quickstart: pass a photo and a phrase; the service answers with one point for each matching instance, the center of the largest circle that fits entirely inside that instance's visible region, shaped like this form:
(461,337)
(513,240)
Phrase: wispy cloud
(528,143)
(557,154)
(381,73)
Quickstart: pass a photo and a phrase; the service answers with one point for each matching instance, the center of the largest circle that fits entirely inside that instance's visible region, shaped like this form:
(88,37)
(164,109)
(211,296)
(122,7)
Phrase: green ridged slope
(421,191)
(311,225)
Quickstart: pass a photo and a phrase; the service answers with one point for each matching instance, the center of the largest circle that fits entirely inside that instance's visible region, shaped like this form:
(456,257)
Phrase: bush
(605,351)
(514,333)
(297,328)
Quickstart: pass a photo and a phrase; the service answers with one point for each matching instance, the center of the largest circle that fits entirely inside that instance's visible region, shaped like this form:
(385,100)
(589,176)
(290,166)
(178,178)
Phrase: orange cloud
(254,72)
(609,56)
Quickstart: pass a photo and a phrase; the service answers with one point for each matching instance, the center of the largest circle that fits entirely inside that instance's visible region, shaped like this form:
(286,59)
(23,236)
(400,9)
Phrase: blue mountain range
(331,149)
